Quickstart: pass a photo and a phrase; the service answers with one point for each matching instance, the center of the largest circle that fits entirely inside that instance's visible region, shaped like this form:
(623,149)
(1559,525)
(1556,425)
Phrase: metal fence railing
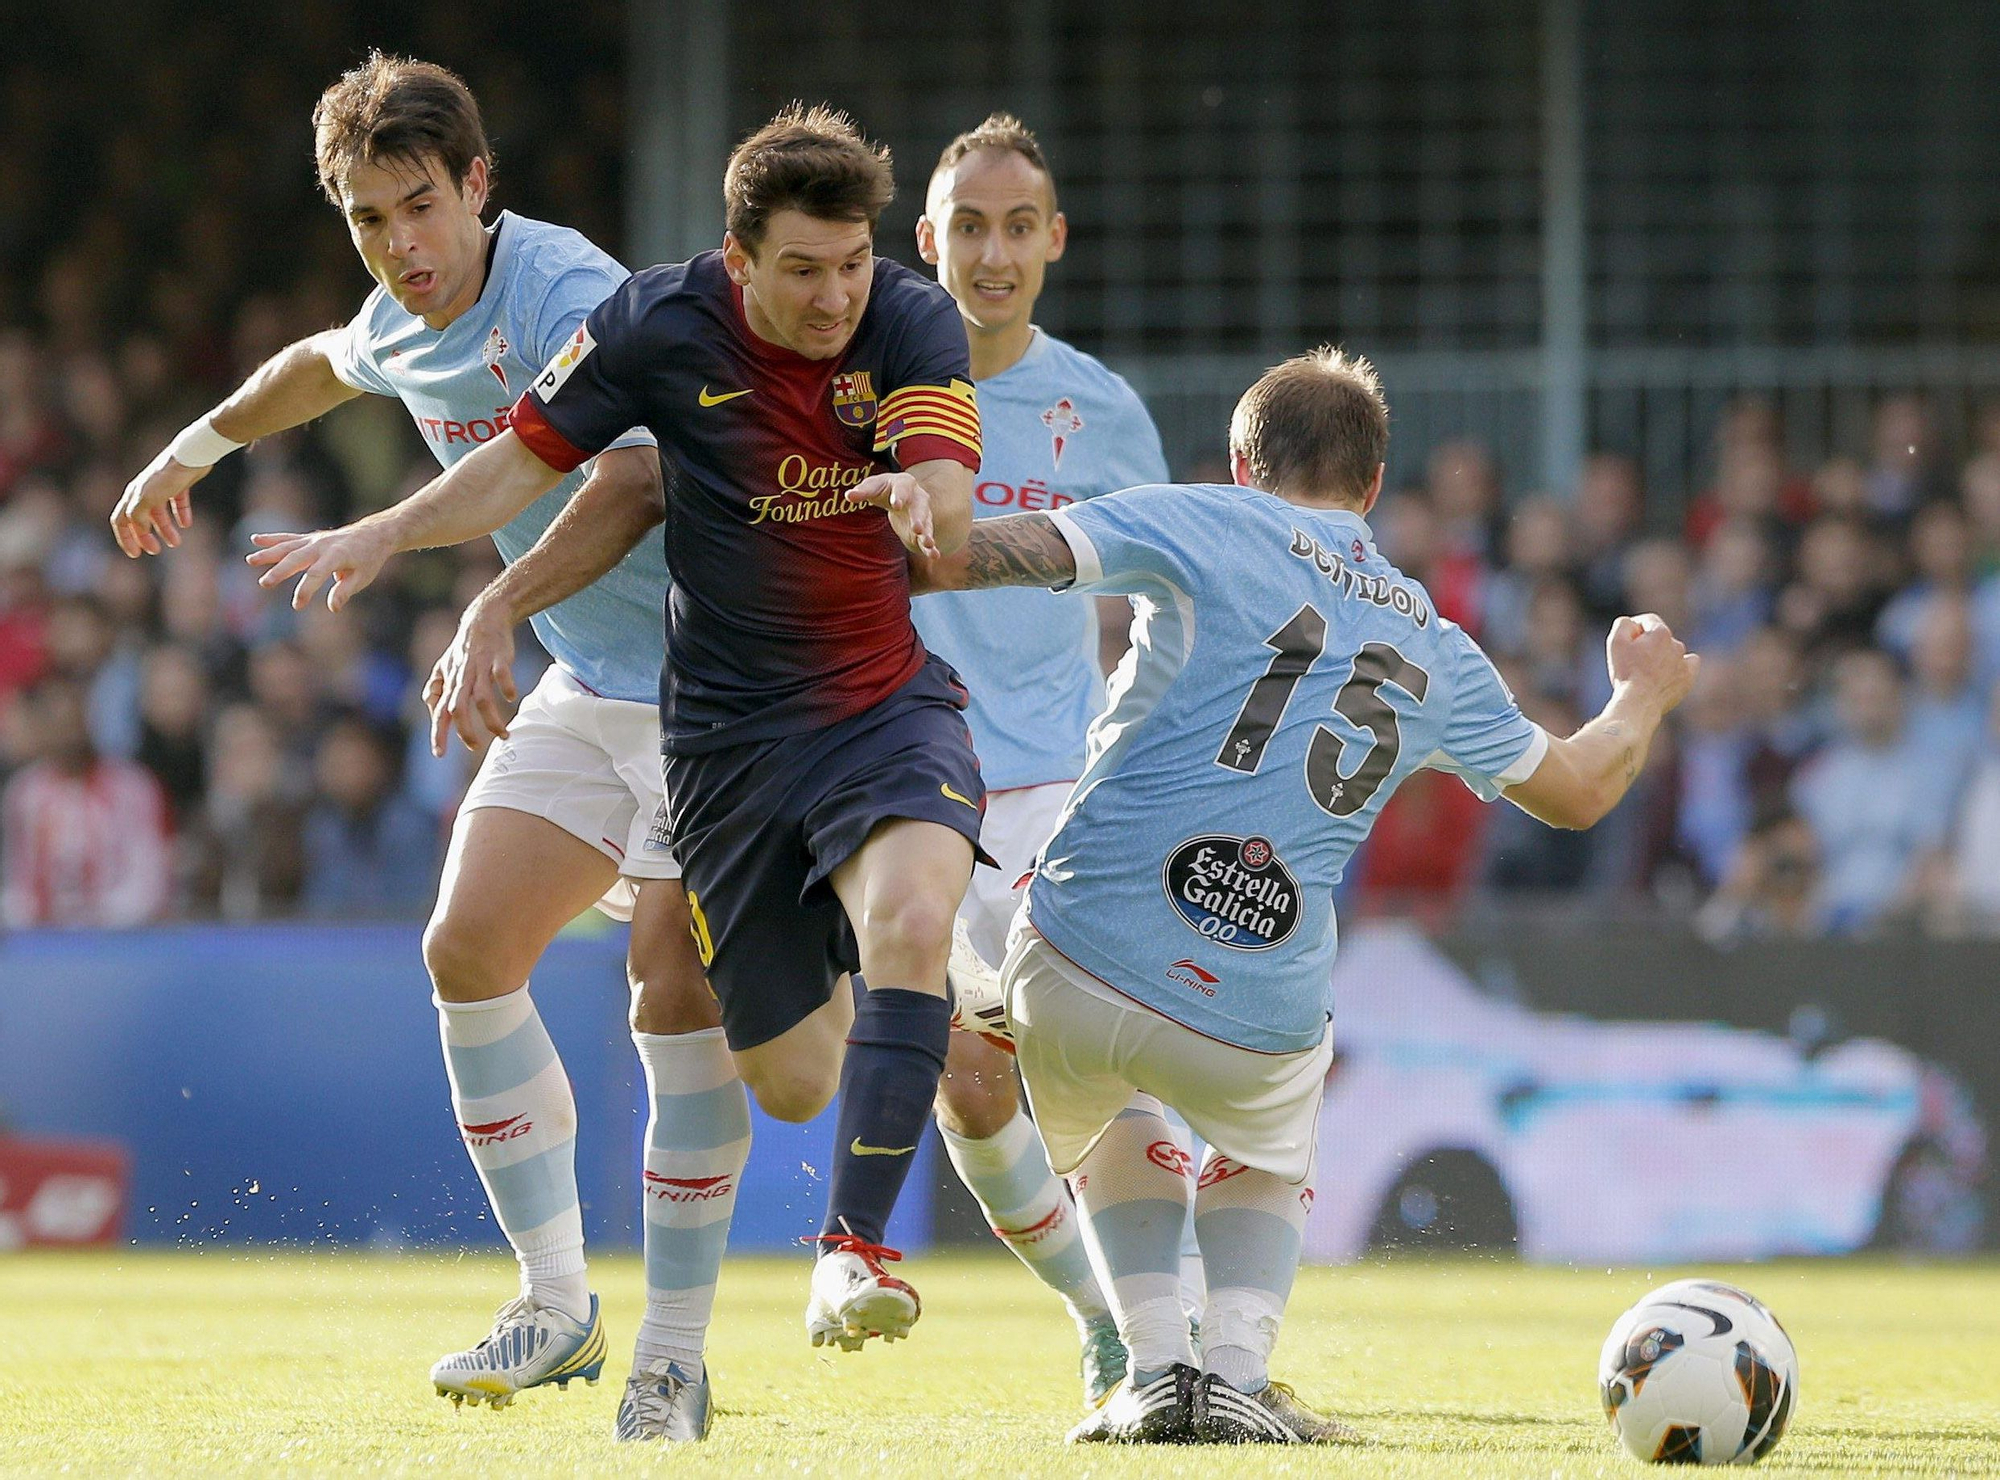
(1659,407)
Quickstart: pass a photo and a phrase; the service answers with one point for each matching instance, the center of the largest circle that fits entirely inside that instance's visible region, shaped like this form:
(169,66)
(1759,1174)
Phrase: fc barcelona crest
(854,398)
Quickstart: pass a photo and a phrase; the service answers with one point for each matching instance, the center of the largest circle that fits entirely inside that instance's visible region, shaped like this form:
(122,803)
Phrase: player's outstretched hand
(909,506)
(155,507)
(473,682)
(350,557)
(1642,651)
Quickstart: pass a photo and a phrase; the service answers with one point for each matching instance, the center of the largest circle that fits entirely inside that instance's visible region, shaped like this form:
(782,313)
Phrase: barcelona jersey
(790,608)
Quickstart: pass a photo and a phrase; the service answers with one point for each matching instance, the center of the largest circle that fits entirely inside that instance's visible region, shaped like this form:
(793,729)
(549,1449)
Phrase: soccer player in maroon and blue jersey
(816,405)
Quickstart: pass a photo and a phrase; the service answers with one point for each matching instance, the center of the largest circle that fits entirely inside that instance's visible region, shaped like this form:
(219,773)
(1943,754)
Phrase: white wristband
(200,445)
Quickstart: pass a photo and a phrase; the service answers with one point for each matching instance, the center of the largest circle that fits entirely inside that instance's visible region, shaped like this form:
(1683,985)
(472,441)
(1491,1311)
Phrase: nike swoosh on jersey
(945,787)
(709,398)
(860,1150)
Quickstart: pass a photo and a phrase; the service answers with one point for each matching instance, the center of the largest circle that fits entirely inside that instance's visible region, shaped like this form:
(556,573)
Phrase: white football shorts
(1083,1049)
(591,766)
(1018,821)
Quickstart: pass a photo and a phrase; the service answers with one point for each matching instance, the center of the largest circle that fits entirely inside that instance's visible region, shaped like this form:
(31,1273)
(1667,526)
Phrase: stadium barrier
(1625,1095)
(1660,406)
(283,1084)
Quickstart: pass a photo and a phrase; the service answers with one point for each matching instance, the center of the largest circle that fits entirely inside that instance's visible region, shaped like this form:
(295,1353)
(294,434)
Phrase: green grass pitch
(251,1362)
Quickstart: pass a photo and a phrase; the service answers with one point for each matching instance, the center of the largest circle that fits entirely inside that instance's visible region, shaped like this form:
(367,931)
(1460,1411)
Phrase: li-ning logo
(496,1132)
(1036,1232)
(1169,1157)
(688,1189)
(1193,977)
(1063,423)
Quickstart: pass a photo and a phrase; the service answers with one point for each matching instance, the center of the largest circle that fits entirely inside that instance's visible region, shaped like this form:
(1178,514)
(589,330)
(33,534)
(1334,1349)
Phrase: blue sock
(895,1056)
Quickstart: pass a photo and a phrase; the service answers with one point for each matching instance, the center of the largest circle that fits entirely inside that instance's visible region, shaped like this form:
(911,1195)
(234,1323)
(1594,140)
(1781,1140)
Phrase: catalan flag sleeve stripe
(922,422)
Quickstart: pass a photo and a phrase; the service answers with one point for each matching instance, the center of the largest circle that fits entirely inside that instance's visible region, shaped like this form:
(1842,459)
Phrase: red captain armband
(921,423)
(534,428)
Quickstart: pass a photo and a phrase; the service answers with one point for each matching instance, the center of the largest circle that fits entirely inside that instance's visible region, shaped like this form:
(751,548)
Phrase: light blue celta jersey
(1284,679)
(458,382)
(1058,428)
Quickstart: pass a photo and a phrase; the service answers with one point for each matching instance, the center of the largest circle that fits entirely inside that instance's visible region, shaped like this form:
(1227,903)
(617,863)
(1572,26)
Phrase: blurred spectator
(1752,478)
(246,856)
(371,850)
(1714,784)
(1904,472)
(1464,489)
(1609,506)
(1979,486)
(31,437)
(285,688)
(1969,886)
(1555,657)
(1659,579)
(1878,801)
(1840,489)
(1773,888)
(85,837)
(1832,604)
(1941,554)
(1771,694)
(1523,856)
(1732,587)
(1947,708)
(1538,550)
(1423,851)
(436,783)
(173,718)
(82,645)
(24,621)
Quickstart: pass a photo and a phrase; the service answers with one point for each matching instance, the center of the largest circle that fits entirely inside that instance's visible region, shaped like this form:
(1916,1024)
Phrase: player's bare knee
(974,1105)
(792,1094)
(672,1001)
(912,937)
(977,1096)
(461,961)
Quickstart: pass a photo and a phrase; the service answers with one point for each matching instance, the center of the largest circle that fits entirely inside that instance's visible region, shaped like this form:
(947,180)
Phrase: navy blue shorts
(759,827)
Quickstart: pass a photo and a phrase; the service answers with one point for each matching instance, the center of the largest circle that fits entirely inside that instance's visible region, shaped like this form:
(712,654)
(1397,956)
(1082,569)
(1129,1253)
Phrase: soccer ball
(1698,1373)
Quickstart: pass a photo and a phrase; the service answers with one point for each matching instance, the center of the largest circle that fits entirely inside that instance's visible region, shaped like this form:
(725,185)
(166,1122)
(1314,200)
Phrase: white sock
(1029,1210)
(1133,1190)
(1194,1279)
(1251,1224)
(518,1121)
(697,1140)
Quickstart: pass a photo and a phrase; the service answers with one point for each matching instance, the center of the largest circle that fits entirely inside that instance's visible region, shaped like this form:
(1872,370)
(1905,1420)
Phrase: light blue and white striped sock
(697,1141)
(1029,1210)
(518,1121)
(1194,1279)
(1133,1190)
(1251,1225)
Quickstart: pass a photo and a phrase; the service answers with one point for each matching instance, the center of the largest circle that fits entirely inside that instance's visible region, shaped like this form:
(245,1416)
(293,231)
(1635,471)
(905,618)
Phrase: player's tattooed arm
(1018,550)
(1582,778)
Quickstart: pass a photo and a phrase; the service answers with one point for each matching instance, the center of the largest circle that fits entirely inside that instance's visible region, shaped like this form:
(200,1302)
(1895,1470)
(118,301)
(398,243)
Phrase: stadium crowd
(177,744)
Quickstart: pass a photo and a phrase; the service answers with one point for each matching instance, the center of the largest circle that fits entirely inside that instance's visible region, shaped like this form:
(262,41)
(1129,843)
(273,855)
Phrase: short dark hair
(396,110)
(999,131)
(1315,424)
(806,159)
